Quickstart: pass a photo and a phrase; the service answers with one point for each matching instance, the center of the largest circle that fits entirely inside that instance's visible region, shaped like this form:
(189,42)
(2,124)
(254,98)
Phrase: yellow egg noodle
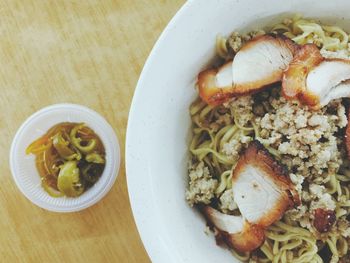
(286,241)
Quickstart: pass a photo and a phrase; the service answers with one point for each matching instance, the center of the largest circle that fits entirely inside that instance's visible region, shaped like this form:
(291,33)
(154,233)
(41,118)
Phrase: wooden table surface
(88,52)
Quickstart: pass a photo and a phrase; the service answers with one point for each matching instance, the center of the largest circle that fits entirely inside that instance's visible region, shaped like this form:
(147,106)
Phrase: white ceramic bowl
(159,123)
(23,167)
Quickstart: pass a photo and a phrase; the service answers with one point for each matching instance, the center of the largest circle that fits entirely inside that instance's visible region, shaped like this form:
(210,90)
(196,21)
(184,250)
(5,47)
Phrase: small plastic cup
(23,166)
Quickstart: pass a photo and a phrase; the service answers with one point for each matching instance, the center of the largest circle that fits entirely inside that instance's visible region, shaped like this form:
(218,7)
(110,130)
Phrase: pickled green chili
(94,158)
(68,181)
(62,147)
(85,146)
(70,158)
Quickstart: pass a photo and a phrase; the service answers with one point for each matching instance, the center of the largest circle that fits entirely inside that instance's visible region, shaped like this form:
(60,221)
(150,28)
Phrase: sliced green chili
(68,181)
(88,146)
(50,190)
(62,147)
(95,158)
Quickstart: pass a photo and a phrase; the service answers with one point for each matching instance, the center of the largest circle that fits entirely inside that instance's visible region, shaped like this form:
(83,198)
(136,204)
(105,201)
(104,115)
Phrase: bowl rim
(152,247)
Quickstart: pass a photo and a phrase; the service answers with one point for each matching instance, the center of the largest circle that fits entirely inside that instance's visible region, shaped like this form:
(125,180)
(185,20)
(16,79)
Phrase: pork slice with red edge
(235,231)
(215,85)
(305,59)
(261,187)
(327,81)
(259,63)
(314,80)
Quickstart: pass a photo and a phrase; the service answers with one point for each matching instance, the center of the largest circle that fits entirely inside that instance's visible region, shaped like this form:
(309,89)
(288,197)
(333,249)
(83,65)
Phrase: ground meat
(235,146)
(232,148)
(301,215)
(297,180)
(305,139)
(344,227)
(227,202)
(242,109)
(201,186)
(236,40)
(325,202)
(306,134)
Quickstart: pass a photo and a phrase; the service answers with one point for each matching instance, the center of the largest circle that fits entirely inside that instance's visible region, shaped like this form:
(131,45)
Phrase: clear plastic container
(23,166)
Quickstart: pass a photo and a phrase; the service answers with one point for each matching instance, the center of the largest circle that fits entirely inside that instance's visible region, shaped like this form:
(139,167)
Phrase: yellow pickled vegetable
(94,158)
(68,181)
(62,147)
(88,146)
(70,158)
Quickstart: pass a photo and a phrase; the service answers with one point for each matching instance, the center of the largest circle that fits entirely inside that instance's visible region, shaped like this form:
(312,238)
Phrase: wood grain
(87,52)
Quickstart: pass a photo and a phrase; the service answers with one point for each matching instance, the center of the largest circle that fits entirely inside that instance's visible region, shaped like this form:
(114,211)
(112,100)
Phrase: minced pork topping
(201,186)
(304,140)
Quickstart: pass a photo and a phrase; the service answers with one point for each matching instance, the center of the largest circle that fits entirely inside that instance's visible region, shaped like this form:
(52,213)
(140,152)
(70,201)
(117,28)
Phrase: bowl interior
(159,123)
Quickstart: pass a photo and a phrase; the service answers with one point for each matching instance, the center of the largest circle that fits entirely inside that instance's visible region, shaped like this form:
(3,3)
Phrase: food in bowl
(70,158)
(269,166)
